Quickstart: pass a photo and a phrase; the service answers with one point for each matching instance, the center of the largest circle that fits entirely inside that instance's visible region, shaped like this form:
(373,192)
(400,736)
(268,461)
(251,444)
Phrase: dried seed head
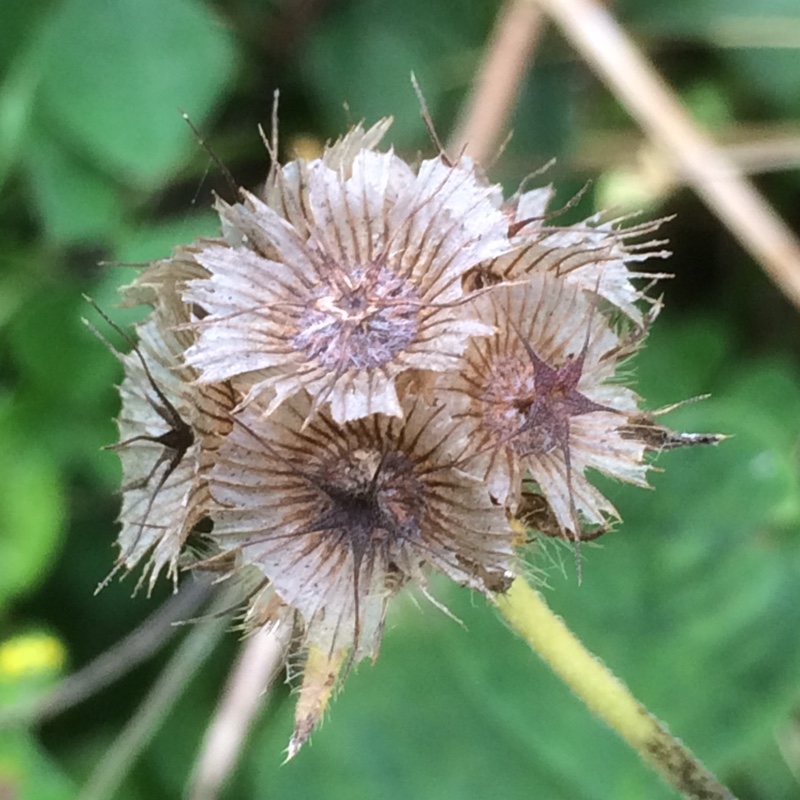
(338,518)
(286,187)
(161,283)
(362,324)
(324,384)
(353,280)
(169,431)
(534,399)
(592,255)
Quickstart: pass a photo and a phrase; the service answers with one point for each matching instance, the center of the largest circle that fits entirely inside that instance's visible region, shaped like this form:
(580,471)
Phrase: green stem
(605,695)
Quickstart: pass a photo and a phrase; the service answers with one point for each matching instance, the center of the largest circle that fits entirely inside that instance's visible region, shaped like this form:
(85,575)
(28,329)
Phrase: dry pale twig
(259,660)
(637,85)
(754,149)
(502,70)
(153,634)
(197,645)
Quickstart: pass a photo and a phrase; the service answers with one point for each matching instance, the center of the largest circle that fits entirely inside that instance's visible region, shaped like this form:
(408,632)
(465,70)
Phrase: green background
(693,601)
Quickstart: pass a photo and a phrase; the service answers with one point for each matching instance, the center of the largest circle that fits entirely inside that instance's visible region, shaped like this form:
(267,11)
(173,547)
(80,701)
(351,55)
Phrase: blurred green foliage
(694,601)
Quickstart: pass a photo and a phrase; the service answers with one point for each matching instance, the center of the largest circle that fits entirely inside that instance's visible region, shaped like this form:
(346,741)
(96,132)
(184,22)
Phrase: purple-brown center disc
(362,322)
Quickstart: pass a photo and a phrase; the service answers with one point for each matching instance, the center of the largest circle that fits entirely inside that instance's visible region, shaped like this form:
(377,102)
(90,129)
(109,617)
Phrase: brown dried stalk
(716,178)
(507,57)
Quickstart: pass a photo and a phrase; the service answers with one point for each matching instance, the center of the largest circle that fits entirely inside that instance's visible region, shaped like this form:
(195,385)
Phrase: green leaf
(65,399)
(19,22)
(120,72)
(335,68)
(60,360)
(158,240)
(18,89)
(28,773)
(699,577)
(544,123)
(31,515)
(363,57)
(76,202)
(770,74)
(683,362)
(689,19)
(449,713)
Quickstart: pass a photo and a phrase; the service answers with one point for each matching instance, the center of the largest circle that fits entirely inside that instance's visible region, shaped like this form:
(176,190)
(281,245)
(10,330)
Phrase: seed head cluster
(364,376)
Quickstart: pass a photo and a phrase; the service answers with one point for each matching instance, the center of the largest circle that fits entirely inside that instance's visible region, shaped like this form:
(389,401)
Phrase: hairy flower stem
(605,695)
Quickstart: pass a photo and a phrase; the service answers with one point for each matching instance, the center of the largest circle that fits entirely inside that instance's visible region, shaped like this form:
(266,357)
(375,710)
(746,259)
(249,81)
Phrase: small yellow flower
(31,654)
